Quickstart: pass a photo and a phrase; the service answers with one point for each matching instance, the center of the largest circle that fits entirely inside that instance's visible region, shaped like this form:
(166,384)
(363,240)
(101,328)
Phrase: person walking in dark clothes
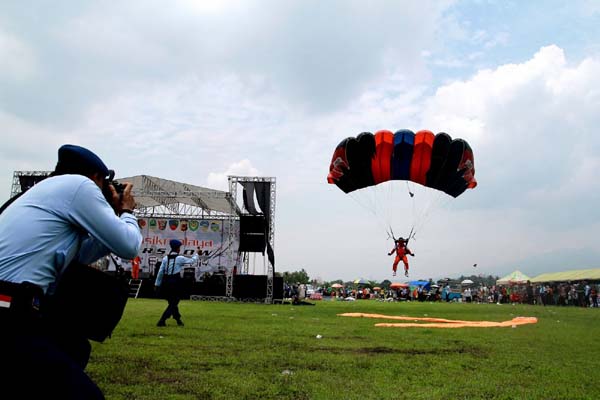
(168,280)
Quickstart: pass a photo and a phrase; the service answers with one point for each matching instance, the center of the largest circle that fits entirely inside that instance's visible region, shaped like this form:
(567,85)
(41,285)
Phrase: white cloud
(499,39)
(532,127)
(17,59)
(26,147)
(219,180)
(538,104)
(590,7)
(195,92)
(303,51)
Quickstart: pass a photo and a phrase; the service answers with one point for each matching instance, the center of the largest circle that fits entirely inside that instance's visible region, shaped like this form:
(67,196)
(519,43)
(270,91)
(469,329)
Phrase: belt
(20,298)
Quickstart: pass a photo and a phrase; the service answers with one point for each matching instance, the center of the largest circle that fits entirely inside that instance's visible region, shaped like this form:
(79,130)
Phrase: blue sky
(199,90)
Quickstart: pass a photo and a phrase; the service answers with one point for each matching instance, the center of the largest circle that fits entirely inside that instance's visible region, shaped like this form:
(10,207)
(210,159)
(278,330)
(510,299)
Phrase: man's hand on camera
(127,201)
(114,198)
(121,201)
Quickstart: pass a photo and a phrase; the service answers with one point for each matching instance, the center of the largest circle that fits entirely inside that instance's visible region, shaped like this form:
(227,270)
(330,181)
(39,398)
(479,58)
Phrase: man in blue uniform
(60,225)
(168,280)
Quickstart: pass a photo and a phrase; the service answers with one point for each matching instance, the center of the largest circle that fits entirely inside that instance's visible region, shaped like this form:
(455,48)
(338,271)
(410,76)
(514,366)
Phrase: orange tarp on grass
(441,322)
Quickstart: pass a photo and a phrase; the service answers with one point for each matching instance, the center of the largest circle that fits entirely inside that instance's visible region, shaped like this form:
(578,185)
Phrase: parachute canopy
(432,160)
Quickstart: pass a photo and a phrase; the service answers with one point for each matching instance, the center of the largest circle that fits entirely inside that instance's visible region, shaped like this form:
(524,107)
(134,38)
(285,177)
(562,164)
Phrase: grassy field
(258,351)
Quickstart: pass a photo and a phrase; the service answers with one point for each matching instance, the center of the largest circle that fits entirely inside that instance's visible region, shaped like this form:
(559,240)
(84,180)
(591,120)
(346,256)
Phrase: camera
(119,187)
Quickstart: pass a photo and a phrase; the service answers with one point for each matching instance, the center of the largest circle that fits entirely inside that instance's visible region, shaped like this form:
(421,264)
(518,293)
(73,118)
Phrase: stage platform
(246,288)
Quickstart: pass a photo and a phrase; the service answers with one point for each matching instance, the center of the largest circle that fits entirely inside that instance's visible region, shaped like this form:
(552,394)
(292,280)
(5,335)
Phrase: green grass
(258,351)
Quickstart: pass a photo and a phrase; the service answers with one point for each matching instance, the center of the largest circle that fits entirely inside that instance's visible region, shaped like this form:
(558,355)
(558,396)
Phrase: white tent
(515,277)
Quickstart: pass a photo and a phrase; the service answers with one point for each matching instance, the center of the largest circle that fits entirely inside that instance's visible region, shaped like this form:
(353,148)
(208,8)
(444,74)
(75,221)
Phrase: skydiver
(401,251)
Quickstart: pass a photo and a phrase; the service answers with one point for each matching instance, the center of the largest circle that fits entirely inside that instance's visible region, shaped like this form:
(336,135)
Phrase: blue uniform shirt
(61,219)
(166,269)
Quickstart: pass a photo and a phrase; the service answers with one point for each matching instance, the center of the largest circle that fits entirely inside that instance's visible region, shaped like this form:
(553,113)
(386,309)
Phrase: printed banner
(217,253)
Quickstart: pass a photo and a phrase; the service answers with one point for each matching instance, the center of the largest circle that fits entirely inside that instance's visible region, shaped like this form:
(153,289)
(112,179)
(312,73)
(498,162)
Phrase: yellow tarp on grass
(441,322)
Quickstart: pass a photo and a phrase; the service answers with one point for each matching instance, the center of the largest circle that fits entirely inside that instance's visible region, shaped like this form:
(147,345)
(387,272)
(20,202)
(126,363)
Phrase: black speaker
(253,233)
(212,285)
(28,181)
(255,287)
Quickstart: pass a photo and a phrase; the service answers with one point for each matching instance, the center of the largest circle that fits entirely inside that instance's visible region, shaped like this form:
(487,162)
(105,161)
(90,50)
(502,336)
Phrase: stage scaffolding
(23,180)
(269,214)
(163,198)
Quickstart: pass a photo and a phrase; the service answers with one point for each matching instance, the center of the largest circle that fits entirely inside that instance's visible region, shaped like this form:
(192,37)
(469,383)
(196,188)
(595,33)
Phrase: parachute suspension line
(410,193)
(397,196)
(385,209)
(423,200)
(435,202)
(387,198)
(410,235)
(373,200)
(416,193)
(361,200)
(383,202)
(366,194)
(394,196)
(391,233)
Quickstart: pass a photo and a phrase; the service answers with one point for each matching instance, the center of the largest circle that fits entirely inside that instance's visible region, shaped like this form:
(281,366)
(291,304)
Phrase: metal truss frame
(233,185)
(16,184)
(169,206)
(183,210)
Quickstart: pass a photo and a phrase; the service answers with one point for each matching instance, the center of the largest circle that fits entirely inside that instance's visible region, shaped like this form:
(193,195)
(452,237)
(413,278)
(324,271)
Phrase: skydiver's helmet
(400,240)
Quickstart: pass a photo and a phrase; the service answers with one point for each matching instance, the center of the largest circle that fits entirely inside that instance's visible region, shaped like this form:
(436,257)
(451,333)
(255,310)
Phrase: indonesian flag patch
(5,301)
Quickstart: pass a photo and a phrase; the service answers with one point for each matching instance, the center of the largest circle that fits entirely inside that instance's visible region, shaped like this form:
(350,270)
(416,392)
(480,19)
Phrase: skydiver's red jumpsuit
(135,267)
(401,252)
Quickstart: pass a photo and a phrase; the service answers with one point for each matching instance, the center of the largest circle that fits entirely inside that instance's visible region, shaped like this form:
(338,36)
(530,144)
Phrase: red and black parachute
(432,160)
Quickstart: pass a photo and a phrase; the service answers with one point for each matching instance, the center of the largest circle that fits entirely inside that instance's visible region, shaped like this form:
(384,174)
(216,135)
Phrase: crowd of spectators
(580,294)
(391,294)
